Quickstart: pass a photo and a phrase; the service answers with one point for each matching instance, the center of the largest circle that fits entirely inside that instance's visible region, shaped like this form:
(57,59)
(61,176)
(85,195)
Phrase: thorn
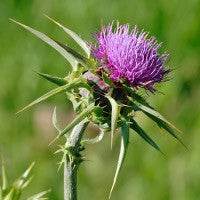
(53,140)
(60,165)
(12,20)
(19,111)
(58,151)
(50,19)
(111,191)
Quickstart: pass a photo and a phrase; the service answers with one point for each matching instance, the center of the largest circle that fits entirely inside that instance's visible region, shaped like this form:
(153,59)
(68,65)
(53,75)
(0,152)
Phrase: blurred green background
(24,138)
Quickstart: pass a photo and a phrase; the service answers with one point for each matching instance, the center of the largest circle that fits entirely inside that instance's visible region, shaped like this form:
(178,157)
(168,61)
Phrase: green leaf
(146,108)
(52,43)
(39,196)
(150,111)
(142,133)
(55,121)
(154,115)
(164,125)
(53,92)
(54,79)
(78,39)
(97,139)
(4,179)
(114,115)
(87,111)
(123,149)
(81,59)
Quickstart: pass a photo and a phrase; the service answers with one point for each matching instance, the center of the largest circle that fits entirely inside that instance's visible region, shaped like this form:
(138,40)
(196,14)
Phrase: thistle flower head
(130,56)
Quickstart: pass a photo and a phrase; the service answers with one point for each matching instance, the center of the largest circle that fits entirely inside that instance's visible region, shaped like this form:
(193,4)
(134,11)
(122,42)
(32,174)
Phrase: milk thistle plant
(105,87)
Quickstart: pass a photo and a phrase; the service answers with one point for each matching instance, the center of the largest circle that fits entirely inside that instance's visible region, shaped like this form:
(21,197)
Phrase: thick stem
(72,161)
(70,181)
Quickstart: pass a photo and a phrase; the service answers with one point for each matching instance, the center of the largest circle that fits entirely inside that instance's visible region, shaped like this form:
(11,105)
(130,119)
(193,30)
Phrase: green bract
(95,98)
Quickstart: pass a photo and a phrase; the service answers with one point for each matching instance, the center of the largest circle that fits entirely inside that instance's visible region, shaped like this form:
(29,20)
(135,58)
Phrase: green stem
(72,161)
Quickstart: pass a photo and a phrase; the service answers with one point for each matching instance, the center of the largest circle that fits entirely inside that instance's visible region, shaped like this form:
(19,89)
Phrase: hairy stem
(72,161)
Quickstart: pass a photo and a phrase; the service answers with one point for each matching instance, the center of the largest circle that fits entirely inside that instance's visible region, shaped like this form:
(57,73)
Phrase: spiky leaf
(114,115)
(151,112)
(87,111)
(54,79)
(54,92)
(123,149)
(164,125)
(78,39)
(52,43)
(142,105)
(142,133)
(81,59)
(83,115)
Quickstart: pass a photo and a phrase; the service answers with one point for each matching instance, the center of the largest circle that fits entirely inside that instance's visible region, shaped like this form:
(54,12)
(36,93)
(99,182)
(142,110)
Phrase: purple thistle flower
(130,57)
